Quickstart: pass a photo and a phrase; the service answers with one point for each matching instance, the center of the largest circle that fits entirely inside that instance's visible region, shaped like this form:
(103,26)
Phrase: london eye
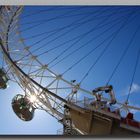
(79,64)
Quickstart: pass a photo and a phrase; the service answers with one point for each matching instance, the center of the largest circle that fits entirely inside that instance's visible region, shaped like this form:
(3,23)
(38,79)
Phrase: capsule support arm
(107,89)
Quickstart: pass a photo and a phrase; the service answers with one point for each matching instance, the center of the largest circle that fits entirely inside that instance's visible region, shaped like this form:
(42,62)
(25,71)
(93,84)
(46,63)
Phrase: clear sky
(114,30)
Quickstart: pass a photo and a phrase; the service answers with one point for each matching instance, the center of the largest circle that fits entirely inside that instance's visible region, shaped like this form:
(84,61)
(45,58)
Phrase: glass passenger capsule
(23,108)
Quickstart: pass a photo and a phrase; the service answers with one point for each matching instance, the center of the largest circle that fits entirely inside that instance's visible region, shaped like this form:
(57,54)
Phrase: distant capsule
(3,79)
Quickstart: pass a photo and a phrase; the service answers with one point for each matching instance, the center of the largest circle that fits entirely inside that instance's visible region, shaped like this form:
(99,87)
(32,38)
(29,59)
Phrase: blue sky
(118,24)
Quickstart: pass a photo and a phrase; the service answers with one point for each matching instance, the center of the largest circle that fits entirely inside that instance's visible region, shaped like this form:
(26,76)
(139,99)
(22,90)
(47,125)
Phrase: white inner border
(69,2)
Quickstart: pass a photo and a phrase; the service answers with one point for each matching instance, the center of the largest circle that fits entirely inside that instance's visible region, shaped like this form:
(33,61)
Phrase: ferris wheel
(39,55)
